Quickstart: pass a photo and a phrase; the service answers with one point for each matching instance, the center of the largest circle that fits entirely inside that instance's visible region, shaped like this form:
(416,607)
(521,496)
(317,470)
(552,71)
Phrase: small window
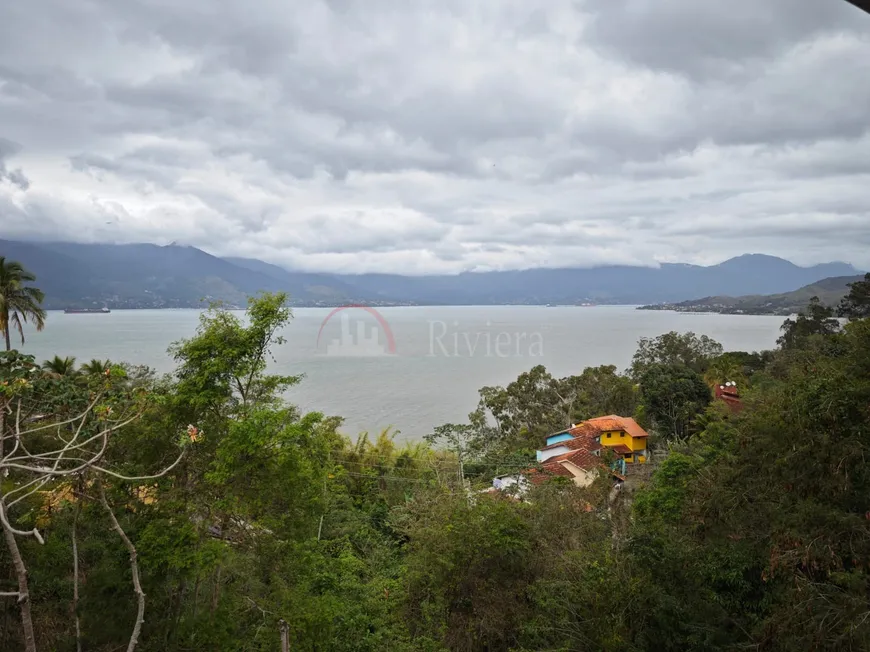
(608,435)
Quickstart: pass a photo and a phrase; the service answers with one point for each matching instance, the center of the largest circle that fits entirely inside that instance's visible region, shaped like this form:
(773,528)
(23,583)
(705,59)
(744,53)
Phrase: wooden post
(285,635)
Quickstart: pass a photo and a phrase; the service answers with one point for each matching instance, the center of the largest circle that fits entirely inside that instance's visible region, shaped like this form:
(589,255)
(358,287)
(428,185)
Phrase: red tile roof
(581,458)
(730,396)
(734,403)
(584,429)
(548,470)
(585,443)
(553,467)
(727,391)
(622,449)
(616,422)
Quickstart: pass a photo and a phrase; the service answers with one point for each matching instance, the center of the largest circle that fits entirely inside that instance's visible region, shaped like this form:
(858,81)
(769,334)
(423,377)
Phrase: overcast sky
(440,135)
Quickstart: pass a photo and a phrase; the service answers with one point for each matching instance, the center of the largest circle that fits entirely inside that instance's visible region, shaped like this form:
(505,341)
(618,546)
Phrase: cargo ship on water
(75,311)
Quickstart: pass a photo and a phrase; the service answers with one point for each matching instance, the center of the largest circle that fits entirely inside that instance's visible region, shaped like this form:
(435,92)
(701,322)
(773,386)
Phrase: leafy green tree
(817,319)
(600,391)
(468,597)
(757,530)
(673,348)
(223,367)
(673,397)
(856,304)
(269,468)
(70,445)
(18,301)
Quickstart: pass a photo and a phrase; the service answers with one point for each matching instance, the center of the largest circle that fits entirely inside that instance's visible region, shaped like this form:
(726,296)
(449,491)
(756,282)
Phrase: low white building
(512,481)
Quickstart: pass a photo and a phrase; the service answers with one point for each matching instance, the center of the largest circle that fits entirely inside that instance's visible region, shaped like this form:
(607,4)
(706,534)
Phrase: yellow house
(622,435)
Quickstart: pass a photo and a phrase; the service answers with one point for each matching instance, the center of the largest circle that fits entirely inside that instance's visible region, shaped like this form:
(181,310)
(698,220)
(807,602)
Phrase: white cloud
(440,136)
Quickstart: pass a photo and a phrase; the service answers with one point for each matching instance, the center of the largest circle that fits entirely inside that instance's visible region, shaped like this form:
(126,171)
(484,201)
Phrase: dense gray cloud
(14,177)
(441,135)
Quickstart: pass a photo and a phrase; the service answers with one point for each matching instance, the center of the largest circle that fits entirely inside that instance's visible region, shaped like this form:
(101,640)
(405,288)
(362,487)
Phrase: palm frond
(58,366)
(19,303)
(15,322)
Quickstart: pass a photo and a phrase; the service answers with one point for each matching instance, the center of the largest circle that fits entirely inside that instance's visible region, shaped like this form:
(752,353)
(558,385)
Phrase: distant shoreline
(369,305)
(709,310)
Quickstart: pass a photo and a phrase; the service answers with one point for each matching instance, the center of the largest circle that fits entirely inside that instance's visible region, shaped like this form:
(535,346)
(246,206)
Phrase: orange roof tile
(584,429)
(554,467)
(615,422)
(585,443)
(581,458)
(547,470)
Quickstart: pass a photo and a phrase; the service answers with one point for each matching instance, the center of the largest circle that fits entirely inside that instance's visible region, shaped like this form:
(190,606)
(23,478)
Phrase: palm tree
(18,302)
(58,366)
(95,367)
(722,370)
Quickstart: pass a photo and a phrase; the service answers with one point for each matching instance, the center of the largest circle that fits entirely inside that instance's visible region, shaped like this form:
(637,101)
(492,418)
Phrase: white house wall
(552,452)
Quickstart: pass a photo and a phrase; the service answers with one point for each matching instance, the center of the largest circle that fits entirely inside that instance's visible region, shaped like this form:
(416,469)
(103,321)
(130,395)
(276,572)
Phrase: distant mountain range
(147,275)
(830,292)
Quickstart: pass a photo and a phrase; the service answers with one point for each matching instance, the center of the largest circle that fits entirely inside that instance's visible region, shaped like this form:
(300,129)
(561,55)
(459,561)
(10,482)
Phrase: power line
(443,463)
(387,477)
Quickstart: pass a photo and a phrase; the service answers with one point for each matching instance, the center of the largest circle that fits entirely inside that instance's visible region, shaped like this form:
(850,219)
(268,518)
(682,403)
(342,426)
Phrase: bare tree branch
(134,567)
(74,453)
(21,574)
(75,551)
(54,423)
(140,477)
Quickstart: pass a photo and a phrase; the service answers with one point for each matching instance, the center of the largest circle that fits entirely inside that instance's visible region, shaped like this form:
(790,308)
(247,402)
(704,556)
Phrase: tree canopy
(673,396)
(817,319)
(856,304)
(687,349)
(202,510)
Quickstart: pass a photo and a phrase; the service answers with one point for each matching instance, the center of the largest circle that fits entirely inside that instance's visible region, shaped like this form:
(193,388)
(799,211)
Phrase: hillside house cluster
(622,435)
(576,453)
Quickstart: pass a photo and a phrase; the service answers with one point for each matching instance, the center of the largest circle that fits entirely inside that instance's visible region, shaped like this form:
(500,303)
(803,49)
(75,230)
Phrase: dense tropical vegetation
(200,511)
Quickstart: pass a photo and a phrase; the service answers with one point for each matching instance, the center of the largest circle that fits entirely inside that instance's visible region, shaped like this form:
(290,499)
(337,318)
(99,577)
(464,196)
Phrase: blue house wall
(562,436)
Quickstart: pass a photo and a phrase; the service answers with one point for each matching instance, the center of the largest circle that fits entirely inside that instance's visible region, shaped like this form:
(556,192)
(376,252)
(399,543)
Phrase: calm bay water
(442,356)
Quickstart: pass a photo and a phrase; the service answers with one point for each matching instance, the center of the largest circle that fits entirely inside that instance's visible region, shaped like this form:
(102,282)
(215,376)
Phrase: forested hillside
(175,276)
(829,291)
(200,511)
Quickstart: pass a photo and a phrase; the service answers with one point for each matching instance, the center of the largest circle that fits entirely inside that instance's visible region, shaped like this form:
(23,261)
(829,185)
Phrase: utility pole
(285,635)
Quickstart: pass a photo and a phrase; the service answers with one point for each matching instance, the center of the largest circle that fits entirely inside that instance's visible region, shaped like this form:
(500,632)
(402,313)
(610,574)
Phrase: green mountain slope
(173,276)
(150,276)
(829,291)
